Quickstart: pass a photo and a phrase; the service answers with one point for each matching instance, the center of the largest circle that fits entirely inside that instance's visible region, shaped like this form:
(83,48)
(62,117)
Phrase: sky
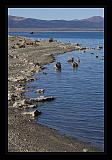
(56,13)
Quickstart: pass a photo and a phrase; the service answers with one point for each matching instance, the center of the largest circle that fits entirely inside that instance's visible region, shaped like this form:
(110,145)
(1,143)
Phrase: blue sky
(56,13)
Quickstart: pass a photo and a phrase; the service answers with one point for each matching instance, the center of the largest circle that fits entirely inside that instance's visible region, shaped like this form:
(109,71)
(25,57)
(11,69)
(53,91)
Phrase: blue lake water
(78,110)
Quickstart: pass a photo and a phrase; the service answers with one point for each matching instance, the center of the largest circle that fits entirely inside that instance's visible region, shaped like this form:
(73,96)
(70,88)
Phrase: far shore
(53,30)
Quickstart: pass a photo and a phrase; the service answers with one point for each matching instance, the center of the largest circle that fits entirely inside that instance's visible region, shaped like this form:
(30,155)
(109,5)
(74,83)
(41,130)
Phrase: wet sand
(24,135)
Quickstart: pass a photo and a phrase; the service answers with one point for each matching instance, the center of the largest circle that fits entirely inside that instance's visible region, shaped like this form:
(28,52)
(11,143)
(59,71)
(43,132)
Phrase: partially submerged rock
(40,90)
(57,66)
(91,53)
(32,113)
(32,106)
(83,48)
(99,47)
(40,99)
(75,64)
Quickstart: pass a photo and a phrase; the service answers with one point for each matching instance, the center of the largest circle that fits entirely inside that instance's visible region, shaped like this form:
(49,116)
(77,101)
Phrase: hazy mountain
(97,19)
(95,22)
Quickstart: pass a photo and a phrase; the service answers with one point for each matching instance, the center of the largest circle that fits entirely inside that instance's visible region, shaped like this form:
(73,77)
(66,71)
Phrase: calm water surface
(78,110)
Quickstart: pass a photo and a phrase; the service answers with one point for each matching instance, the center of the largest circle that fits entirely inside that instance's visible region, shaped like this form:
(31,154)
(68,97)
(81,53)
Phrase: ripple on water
(78,109)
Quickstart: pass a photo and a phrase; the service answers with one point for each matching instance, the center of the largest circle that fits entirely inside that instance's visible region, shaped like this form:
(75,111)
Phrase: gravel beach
(25,57)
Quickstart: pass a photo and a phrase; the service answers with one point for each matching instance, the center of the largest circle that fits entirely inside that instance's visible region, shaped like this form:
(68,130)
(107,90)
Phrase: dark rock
(75,64)
(51,40)
(37,112)
(58,65)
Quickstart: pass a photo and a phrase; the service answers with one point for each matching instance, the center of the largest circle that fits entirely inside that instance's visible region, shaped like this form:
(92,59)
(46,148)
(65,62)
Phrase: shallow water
(78,110)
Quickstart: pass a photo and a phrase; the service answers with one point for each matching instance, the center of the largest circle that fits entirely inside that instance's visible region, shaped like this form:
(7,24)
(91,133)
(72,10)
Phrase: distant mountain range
(95,22)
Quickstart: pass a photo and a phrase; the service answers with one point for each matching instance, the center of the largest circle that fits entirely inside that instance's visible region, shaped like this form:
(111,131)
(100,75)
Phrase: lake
(78,110)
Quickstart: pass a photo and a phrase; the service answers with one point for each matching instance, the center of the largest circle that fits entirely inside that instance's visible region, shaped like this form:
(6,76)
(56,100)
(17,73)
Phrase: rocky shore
(25,57)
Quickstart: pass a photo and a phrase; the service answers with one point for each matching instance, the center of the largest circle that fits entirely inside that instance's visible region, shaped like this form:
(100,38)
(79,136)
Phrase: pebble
(85,150)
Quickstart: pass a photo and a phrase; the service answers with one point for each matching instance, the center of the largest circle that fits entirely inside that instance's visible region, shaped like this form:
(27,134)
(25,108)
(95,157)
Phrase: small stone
(85,150)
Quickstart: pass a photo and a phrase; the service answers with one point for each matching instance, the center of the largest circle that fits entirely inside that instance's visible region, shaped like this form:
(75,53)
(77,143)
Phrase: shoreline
(50,30)
(24,135)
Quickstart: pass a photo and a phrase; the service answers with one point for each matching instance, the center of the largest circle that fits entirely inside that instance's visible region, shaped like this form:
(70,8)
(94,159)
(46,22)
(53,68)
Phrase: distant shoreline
(52,30)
